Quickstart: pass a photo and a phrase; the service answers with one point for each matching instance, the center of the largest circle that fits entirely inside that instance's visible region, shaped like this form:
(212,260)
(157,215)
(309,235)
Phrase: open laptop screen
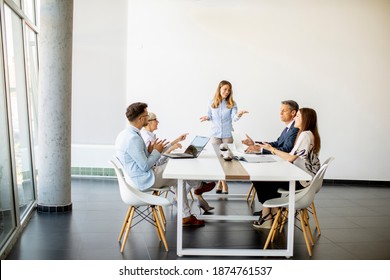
(199,142)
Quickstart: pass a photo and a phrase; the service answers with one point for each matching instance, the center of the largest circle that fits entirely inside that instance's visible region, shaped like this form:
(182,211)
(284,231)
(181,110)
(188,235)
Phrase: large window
(29,9)
(18,115)
(19,109)
(7,218)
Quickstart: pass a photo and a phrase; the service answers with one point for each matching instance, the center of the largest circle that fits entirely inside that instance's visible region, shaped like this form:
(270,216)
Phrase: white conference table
(209,167)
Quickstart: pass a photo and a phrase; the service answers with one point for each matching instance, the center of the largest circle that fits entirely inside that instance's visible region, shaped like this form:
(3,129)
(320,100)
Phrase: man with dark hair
(134,110)
(285,142)
(139,161)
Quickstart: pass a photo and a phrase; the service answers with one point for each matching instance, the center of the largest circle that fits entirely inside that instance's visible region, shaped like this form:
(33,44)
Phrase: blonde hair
(218,98)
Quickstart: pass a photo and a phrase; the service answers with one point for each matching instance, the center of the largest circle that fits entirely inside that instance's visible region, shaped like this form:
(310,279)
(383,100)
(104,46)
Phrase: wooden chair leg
(253,197)
(160,231)
(161,216)
(308,226)
(273,228)
(249,192)
(129,211)
(127,229)
(284,220)
(279,223)
(304,229)
(124,223)
(155,219)
(316,218)
(161,210)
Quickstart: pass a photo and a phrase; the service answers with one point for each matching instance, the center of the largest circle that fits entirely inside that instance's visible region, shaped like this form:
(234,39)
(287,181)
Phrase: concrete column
(55,99)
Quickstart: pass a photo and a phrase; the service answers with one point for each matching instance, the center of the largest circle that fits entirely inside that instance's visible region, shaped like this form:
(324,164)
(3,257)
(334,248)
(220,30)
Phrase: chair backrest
(304,198)
(131,195)
(119,164)
(129,181)
(328,160)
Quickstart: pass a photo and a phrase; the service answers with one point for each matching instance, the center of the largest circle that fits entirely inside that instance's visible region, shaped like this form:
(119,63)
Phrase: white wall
(99,70)
(332,56)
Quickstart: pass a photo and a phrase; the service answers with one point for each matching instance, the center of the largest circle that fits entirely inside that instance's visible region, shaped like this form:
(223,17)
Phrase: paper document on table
(254,158)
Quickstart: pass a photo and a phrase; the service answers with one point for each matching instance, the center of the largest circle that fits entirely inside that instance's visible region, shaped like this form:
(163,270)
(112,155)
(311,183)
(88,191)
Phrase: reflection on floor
(354,219)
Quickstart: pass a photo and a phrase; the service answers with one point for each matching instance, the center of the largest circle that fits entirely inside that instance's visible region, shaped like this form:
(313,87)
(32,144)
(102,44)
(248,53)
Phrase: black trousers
(266,190)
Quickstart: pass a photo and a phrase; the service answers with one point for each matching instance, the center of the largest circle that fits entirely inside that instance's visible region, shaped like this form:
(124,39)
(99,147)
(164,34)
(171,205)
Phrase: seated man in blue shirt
(139,163)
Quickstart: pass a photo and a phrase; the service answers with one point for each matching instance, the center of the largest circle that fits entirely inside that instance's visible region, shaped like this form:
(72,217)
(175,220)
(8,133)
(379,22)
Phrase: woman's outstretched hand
(204,118)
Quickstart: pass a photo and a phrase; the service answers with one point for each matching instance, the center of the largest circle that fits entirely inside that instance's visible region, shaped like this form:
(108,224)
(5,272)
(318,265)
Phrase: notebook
(193,150)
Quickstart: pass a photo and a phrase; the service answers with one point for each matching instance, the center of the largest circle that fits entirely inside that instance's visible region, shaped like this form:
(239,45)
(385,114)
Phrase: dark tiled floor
(355,225)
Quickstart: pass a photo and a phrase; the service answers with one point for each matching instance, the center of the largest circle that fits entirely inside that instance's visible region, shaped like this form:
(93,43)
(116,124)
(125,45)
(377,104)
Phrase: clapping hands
(159,145)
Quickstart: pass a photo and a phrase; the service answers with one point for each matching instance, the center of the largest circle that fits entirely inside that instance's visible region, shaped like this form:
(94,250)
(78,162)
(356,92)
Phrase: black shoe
(257,213)
(267,217)
(264,222)
(218,191)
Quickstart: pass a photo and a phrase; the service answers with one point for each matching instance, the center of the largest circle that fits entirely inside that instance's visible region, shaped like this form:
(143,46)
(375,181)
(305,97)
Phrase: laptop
(193,150)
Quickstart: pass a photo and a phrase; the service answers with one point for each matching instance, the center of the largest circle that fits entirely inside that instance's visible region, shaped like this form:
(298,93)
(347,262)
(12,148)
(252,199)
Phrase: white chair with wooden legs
(137,199)
(312,208)
(154,191)
(303,200)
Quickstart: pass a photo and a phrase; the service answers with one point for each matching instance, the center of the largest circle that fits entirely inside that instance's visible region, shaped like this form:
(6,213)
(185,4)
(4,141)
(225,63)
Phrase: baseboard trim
(54,209)
(357,182)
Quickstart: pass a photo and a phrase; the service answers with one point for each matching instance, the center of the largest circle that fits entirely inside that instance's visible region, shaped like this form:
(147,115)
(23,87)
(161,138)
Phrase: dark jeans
(266,190)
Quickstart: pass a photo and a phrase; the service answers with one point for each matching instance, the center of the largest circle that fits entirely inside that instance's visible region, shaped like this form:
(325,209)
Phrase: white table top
(207,167)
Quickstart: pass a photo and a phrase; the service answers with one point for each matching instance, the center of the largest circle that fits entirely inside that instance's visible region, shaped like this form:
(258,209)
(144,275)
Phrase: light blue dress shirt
(138,163)
(222,119)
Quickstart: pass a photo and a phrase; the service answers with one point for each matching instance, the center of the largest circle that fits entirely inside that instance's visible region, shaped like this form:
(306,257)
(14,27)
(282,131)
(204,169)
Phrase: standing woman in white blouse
(304,155)
(222,112)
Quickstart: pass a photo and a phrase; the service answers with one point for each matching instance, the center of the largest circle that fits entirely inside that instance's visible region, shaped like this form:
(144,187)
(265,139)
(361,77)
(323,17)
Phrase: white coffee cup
(223,147)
